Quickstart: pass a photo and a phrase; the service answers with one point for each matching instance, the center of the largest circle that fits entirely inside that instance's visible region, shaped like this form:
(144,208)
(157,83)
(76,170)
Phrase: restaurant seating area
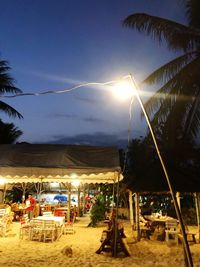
(164,228)
(42,228)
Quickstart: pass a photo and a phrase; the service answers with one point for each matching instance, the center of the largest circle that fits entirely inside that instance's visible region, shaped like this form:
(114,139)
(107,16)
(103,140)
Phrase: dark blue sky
(55,44)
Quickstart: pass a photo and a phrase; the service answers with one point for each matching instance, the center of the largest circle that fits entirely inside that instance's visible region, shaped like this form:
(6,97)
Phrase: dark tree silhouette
(176,103)
(9,133)
(7,86)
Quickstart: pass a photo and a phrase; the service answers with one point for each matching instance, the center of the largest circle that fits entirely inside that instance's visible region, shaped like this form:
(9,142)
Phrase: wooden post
(4,193)
(131,208)
(79,202)
(84,195)
(196,195)
(178,199)
(137,216)
(69,203)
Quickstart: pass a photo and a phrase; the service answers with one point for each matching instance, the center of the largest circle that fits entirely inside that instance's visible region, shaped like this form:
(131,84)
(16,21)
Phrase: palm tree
(176,102)
(6,86)
(8,133)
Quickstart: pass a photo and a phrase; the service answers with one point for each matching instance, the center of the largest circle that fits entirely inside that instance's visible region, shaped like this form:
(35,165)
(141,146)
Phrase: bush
(189,216)
(98,211)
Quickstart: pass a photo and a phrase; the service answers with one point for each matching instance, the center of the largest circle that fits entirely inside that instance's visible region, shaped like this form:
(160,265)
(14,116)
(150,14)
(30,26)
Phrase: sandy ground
(84,243)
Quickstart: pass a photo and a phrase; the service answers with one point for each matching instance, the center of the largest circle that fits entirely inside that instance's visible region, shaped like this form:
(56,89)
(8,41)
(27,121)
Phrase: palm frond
(10,110)
(180,85)
(4,66)
(177,36)
(169,70)
(192,13)
(192,122)
(6,81)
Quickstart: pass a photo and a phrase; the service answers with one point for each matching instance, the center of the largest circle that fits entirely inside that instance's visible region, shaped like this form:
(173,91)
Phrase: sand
(84,242)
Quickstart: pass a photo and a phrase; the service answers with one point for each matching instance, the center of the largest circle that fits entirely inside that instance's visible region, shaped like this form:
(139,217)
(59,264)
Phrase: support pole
(84,195)
(196,196)
(178,199)
(4,193)
(178,213)
(79,202)
(69,203)
(131,208)
(115,220)
(137,216)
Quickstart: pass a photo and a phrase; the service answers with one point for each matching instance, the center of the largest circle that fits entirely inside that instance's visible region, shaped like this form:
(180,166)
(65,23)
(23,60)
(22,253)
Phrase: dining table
(58,220)
(156,220)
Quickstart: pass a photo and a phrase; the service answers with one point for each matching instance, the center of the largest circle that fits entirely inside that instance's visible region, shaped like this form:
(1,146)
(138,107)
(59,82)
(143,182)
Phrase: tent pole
(79,200)
(137,216)
(84,199)
(116,218)
(69,203)
(4,193)
(131,208)
(178,212)
(113,196)
(178,199)
(196,196)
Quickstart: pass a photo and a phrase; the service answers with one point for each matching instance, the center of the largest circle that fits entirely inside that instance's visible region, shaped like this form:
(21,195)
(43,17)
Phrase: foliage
(143,172)
(13,195)
(7,86)
(189,216)
(98,210)
(174,108)
(9,133)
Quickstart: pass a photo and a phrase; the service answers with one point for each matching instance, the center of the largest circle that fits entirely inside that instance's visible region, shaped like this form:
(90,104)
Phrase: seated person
(144,222)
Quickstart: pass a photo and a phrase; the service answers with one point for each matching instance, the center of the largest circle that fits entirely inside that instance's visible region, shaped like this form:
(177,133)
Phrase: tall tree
(176,102)
(7,86)
(9,133)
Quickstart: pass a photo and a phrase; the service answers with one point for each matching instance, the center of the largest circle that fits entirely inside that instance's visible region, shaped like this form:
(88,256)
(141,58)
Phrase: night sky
(56,44)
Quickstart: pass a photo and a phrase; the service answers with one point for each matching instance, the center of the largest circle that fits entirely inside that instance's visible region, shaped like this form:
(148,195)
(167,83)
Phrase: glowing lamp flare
(123,90)
(76,183)
(2,181)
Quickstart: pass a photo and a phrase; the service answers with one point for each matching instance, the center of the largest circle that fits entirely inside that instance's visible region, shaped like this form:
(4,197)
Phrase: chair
(36,229)
(69,226)
(190,235)
(49,231)
(4,225)
(171,231)
(2,212)
(25,229)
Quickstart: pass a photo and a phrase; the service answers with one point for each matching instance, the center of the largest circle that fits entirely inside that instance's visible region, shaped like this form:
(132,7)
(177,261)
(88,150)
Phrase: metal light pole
(187,252)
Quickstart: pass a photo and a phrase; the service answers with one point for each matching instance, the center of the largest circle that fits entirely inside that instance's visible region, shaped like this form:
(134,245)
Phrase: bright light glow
(123,90)
(73,176)
(75,183)
(2,181)
(54,184)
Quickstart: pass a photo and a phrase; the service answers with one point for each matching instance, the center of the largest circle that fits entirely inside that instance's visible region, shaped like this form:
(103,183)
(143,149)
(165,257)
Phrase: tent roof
(59,163)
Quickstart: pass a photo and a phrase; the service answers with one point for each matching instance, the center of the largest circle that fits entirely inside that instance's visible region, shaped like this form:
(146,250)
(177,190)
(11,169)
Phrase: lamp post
(189,262)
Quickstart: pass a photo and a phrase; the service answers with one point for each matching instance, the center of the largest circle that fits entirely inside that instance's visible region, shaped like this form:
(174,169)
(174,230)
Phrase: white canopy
(32,163)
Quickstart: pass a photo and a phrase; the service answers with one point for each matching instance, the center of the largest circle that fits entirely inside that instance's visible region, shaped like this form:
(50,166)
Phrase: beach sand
(84,243)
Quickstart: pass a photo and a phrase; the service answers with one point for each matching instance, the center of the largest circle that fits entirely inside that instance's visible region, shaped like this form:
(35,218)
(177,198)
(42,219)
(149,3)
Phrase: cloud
(74,116)
(87,100)
(98,138)
(60,115)
(94,120)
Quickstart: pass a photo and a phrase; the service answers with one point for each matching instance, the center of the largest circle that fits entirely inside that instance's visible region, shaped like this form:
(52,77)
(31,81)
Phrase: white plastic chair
(171,231)
(49,231)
